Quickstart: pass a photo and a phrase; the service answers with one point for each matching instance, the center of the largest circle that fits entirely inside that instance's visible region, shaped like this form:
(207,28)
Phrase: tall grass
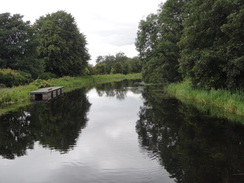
(232,102)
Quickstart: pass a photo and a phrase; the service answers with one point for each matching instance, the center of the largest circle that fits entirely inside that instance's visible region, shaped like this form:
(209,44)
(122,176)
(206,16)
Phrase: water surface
(118,133)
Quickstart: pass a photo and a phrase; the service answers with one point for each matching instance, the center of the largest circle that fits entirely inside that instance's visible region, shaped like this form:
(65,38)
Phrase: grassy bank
(19,96)
(222,99)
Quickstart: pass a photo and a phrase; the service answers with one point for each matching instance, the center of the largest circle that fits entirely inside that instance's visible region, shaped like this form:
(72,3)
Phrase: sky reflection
(107,150)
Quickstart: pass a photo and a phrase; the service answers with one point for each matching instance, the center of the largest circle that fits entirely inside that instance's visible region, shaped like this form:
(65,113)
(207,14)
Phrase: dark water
(119,133)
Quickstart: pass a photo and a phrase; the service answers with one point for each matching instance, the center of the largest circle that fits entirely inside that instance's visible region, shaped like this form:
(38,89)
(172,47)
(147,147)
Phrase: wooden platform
(45,94)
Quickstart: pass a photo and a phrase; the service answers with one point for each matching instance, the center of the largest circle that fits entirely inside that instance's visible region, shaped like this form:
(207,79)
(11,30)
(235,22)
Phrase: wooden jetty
(45,94)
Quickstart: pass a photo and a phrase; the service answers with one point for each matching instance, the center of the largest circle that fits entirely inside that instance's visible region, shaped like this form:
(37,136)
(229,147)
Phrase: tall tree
(146,42)
(157,40)
(18,45)
(63,47)
(212,51)
(234,30)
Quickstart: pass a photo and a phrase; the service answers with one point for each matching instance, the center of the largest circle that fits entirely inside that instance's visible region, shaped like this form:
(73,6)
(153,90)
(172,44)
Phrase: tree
(119,63)
(63,47)
(212,55)
(136,65)
(117,68)
(100,69)
(146,42)
(157,40)
(170,31)
(234,29)
(18,45)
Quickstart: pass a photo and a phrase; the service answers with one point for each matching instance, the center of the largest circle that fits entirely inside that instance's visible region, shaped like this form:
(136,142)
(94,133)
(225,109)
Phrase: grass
(226,101)
(19,96)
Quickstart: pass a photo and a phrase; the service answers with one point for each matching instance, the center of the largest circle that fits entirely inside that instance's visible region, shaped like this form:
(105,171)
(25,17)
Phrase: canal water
(119,133)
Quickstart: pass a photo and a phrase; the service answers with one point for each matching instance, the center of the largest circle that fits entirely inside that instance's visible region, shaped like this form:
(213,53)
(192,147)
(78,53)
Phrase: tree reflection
(55,125)
(117,89)
(192,146)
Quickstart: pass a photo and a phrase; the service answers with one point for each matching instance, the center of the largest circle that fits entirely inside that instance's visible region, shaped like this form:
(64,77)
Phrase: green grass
(11,98)
(218,100)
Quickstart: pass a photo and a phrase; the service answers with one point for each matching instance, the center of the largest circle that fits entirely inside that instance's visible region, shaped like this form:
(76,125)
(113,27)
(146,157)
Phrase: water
(118,133)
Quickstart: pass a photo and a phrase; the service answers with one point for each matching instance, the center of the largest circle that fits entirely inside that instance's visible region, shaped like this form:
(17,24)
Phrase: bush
(47,75)
(11,78)
(41,83)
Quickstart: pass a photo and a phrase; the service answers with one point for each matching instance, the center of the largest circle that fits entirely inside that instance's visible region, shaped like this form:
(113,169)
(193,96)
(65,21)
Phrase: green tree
(170,31)
(63,47)
(100,68)
(117,68)
(157,40)
(146,42)
(118,63)
(136,65)
(234,29)
(212,55)
(18,45)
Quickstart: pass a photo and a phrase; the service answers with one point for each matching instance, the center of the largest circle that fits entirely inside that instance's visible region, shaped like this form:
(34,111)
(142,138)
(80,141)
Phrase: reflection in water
(193,147)
(55,125)
(118,89)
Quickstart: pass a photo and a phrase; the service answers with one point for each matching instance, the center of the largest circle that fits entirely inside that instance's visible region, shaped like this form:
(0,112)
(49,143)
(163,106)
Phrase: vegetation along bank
(19,95)
(198,44)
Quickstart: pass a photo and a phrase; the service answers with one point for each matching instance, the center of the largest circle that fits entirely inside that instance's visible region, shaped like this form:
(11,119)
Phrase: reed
(231,102)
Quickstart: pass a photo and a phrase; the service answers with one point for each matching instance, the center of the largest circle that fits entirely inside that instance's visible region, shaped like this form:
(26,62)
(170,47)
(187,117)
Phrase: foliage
(41,83)
(10,77)
(18,45)
(46,76)
(212,55)
(146,46)
(156,42)
(118,63)
(62,46)
(194,39)
(101,69)
(117,68)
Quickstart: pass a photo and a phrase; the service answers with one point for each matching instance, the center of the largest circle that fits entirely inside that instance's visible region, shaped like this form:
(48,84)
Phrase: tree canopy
(118,63)
(52,47)
(18,45)
(62,46)
(212,54)
(193,39)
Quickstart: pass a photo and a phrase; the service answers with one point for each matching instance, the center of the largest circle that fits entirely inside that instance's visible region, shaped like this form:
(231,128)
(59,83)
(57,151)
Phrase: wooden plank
(45,90)
(46,94)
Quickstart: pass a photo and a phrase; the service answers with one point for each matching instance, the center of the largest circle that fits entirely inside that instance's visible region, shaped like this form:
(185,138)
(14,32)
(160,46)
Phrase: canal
(119,132)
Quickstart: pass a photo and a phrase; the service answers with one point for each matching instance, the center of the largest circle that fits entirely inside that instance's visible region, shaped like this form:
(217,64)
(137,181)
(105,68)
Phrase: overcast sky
(110,26)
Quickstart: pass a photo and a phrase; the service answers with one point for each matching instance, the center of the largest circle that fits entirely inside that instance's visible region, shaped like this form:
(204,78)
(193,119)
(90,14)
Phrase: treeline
(52,47)
(118,63)
(201,41)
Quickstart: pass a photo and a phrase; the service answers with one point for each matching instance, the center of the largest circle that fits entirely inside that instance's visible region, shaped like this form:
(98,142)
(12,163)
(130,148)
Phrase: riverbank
(221,103)
(11,98)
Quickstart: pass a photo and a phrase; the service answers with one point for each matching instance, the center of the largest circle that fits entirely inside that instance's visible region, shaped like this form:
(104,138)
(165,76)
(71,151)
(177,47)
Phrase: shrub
(41,83)
(47,75)
(10,77)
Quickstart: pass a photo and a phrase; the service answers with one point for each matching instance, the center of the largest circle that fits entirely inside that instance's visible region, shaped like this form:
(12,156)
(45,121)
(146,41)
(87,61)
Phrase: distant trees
(198,40)
(118,63)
